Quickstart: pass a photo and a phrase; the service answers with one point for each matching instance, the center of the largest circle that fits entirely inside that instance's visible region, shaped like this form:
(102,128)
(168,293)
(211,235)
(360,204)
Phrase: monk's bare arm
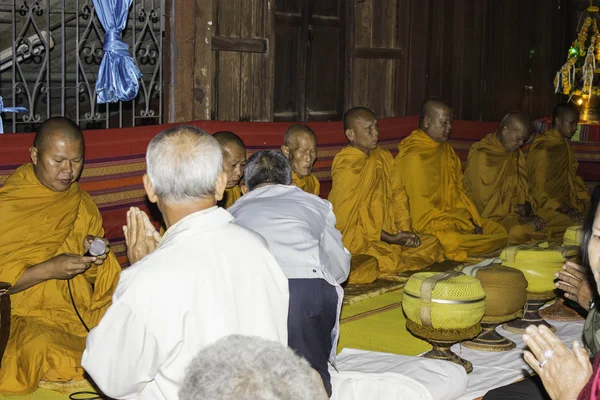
(64,266)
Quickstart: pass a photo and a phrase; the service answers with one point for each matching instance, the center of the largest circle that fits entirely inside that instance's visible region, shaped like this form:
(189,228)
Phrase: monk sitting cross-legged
(364,202)
(496,180)
(561,195)
(300,148)
(234,159)
(430,173)
(48,224)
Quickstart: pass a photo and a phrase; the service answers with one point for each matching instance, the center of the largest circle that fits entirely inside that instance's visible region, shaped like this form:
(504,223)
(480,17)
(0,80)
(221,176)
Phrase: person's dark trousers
(530,388)
(311,318)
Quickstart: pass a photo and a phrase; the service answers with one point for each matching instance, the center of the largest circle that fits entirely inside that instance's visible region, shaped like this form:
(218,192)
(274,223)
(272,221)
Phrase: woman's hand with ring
(564,373)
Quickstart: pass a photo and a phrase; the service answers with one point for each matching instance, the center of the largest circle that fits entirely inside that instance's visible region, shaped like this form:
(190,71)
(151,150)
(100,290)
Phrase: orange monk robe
(496,180)
(309,184)
(552,170)
(46,337)
(230,196)
(431,174)
(363,203)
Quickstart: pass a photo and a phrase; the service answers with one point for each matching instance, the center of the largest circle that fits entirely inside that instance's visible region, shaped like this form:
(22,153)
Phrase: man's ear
(243,188)
(426,121)
(220,186)
(349,134)
(33,154)
(286,151)
(505,129)
(149,189)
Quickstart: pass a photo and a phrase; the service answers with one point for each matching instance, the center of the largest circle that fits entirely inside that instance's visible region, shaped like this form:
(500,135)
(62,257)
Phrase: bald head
(565,118)
(57,153)
(515,130)
(436,119)
(361,128)
(56,127)
(354,114)
(226,138)
(234,156)
(295,131)
(300,148)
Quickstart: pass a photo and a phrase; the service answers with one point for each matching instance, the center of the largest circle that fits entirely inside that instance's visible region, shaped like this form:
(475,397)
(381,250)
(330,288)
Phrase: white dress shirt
(209,278)
(300,229)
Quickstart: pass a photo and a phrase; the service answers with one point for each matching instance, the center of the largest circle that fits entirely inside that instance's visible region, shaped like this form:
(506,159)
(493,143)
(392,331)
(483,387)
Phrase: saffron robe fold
(46,337)
(310,184)
(431,175)
(363,203)
(552,170)
(496,181)
(230,196)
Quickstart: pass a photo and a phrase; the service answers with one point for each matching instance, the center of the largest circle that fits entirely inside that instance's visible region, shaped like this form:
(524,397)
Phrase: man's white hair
(183,164)
(250,368)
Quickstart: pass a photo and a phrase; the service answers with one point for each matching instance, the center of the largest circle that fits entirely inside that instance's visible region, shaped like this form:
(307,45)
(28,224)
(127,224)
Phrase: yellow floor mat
(379,324)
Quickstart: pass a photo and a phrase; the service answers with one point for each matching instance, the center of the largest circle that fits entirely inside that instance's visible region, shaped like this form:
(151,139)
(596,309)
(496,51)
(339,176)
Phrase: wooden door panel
(287,73)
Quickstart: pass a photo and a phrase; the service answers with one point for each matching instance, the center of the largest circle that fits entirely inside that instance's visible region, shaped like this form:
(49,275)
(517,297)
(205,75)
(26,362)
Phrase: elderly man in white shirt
(300,229)
(192,289)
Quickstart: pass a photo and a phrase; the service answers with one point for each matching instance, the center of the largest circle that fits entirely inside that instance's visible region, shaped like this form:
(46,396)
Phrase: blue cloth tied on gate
(8,110)
(119,75)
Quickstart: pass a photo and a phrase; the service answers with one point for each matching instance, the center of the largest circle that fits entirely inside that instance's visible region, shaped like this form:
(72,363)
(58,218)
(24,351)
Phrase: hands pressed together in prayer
(564,373)
(141,236)
(575,215)
(574,282)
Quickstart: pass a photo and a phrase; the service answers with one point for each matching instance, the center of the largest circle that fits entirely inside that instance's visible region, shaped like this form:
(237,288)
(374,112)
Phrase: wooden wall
(264,60)
(476,54)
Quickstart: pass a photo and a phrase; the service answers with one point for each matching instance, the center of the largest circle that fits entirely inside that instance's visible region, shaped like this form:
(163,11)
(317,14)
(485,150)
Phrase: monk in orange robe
(48,223)
(234,160)
(430,173)
(561,194)
(364,202)
(300,148)
(497,182)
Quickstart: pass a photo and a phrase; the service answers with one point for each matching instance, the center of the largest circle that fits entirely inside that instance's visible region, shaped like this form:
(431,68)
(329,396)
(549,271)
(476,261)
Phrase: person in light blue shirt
(300,230)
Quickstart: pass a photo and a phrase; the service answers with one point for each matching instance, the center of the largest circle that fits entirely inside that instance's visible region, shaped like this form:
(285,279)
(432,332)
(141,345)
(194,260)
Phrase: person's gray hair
(250,368)
(183,164)
(267,166)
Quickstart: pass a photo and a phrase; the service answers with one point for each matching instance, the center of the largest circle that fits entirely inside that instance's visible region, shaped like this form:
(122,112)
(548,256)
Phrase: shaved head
(430,106)
(296,130)
(355,113)
(234,156)
(57,153)
(362,129)
(228,138)
(565,118)
(300,148)
(61,126)
(516,119)
(436,119)
(515,129)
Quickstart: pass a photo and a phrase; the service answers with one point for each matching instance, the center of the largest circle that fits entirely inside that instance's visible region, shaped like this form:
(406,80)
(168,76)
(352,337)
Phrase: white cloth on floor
(496,369)
(368,375)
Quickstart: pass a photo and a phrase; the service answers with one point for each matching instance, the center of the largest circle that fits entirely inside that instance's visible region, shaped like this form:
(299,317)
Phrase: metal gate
(50,52)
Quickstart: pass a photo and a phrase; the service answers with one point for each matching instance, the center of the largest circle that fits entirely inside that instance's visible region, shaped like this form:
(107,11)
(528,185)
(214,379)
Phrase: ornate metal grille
(50,52)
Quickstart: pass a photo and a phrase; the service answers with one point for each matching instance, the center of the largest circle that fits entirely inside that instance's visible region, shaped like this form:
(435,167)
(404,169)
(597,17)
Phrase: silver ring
(548,353)
(543,362)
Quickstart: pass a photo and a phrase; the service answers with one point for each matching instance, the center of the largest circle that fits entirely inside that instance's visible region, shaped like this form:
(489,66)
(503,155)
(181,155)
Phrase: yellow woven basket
(457,302)
(538,264)
(573,236)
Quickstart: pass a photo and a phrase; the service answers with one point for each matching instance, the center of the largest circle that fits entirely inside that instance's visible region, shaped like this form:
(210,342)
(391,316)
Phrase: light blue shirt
(300,230)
